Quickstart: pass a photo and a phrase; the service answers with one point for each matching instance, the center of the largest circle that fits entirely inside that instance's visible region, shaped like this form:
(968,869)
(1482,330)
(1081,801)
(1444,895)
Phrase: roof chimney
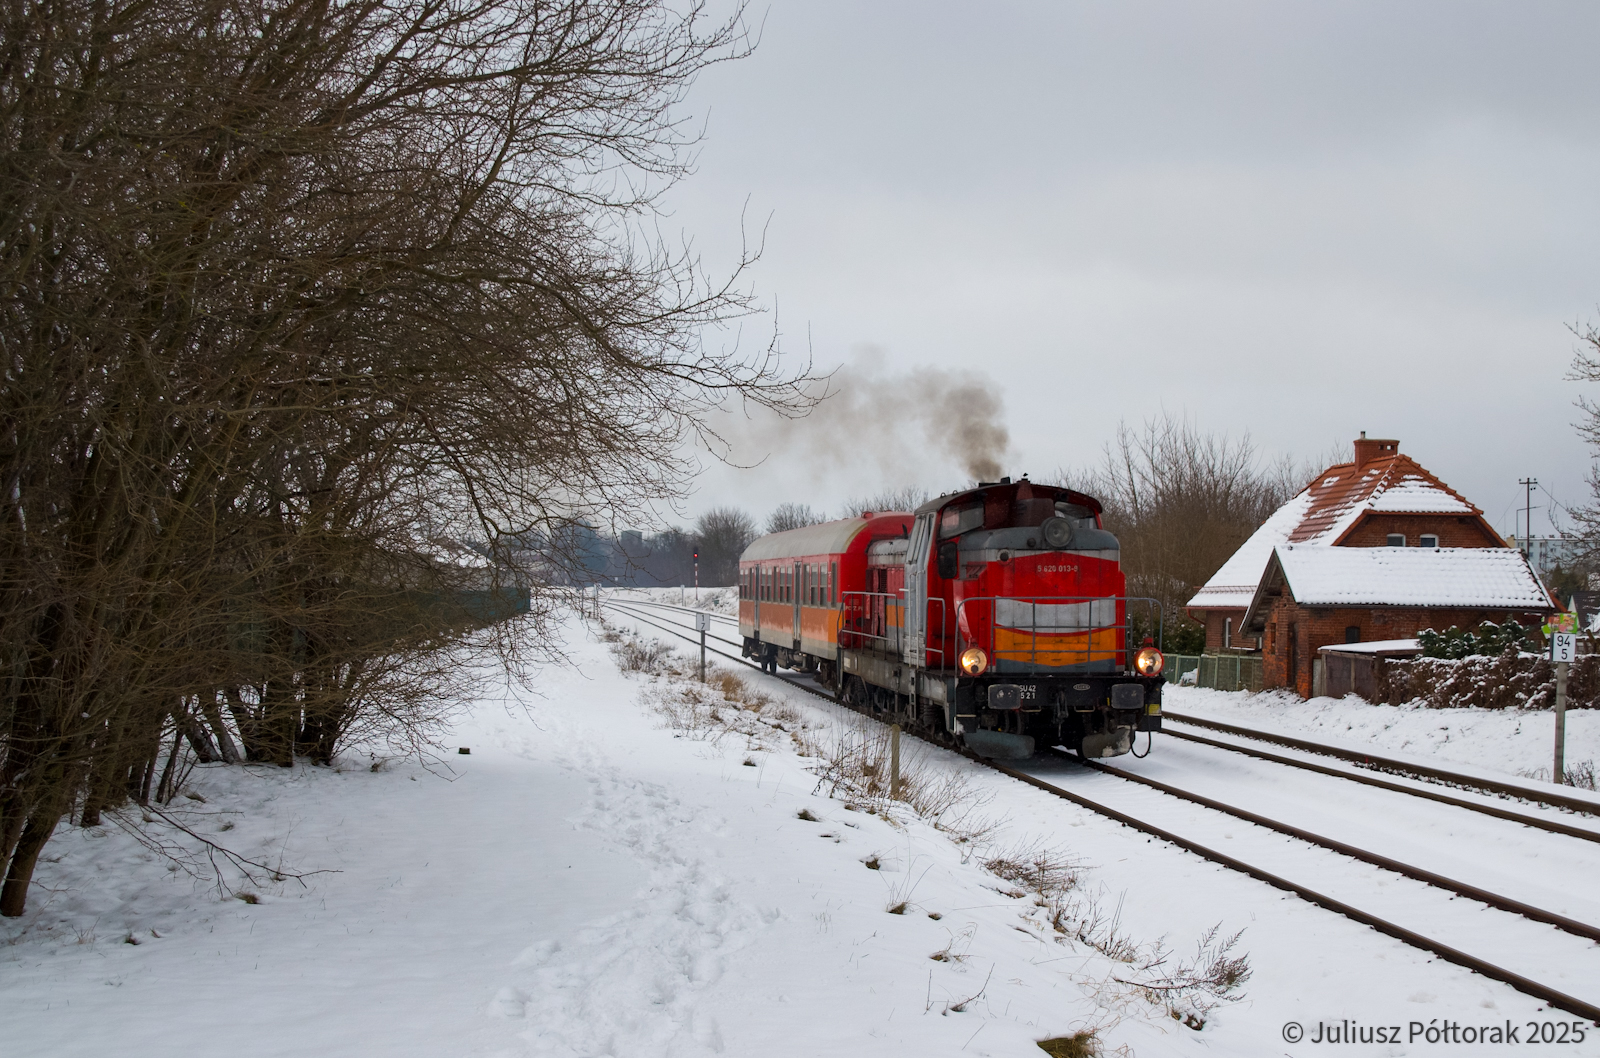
(1368,450)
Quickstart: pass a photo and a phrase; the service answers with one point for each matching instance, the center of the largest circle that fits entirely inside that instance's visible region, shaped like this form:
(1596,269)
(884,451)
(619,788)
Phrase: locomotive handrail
(928,623)
(1087,651)
(877,619)
(890,599)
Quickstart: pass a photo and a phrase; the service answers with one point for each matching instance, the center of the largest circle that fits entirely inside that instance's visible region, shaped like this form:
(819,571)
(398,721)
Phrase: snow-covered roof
(1324,513)
(1493,578)
(1381,646)
(1234,585)
(1392,484)
(1415,494)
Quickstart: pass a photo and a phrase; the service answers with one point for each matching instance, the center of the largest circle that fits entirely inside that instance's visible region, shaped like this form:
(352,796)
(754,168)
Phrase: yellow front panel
(1072,648)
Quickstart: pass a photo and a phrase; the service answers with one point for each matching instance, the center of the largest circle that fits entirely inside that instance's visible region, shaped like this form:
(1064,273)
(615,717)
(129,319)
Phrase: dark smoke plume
(893,418)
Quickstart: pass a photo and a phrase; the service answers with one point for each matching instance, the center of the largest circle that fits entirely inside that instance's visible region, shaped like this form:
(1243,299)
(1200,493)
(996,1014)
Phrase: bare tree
(788,516)
(1181,501)
(721,535)
(888,498)
(300,298)
(1586,519)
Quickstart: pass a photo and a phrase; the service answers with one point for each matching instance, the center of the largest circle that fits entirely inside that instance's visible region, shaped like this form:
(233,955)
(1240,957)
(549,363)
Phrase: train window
(833,583)
(957,520)
(1081,516)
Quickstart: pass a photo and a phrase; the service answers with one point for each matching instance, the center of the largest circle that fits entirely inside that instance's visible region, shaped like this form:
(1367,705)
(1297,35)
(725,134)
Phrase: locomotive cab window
(954,521)
(1081,516)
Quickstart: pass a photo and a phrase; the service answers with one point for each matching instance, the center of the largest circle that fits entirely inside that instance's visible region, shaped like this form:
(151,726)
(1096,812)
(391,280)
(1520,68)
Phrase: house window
(1428,540)
(1352,634)
(1227,631)
(1397,540)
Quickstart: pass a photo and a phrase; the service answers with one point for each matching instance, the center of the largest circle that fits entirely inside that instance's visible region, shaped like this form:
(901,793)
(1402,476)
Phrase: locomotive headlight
(974,661)
(1149,662)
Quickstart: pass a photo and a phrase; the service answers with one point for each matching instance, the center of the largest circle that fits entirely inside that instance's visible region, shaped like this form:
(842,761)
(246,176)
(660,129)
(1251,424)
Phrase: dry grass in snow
(852,758)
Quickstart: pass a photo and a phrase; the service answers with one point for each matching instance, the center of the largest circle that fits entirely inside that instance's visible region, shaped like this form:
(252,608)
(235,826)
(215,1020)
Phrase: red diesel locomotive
(996,616)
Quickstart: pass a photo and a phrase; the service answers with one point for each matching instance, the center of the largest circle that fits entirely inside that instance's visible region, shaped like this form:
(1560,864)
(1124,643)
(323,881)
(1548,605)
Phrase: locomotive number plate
(1058,569)
(1011,695)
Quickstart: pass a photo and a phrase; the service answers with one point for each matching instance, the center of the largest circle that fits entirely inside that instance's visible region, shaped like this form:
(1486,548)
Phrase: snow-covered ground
(591,881)
(1513,741)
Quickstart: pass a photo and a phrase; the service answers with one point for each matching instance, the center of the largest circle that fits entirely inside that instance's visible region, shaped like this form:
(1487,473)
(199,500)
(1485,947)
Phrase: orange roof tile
(1395,484)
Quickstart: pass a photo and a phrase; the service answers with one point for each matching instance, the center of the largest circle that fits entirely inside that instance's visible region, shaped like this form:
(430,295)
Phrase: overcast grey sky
(1296,220)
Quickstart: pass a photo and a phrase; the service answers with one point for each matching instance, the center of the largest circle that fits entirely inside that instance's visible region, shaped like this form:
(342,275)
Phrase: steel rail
(1522,984)
(1439,881)
(680,609)
(625,606)
(1525,985)
(1553,826)
(1396,767)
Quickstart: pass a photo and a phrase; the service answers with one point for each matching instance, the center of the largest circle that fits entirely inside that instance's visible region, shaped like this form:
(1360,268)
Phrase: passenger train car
(996,616)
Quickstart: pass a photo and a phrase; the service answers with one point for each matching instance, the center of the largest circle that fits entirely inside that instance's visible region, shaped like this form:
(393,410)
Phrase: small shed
(1352,668)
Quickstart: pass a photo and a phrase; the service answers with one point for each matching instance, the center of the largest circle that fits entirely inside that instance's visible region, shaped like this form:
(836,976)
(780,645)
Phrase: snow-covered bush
(1490,640)
(1506,681)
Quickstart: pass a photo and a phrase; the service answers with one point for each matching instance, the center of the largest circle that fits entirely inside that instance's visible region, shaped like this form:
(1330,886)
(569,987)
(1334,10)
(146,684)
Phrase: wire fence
(1222,672)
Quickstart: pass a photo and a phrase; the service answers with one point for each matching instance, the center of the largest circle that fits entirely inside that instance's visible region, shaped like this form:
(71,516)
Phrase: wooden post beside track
(702,621)
(894,762)
(1563,648)
(1560,771)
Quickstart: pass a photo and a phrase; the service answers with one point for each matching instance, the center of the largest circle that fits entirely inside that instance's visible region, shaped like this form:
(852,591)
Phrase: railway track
(1374,762)
(649,613)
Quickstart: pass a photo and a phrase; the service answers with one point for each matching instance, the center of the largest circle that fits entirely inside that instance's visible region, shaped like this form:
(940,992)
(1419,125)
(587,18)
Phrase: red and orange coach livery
(996,616)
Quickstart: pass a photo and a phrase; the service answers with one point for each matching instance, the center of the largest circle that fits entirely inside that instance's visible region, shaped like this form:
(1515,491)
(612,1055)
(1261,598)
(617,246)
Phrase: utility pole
(1527,513)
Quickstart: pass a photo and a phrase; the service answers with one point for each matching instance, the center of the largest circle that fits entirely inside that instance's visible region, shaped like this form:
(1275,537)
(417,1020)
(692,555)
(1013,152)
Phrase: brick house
(1311,597)
(1374,549)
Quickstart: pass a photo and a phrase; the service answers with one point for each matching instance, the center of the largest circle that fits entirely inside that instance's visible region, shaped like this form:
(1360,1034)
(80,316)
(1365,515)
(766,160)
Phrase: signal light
(974,661)
(1149,662)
